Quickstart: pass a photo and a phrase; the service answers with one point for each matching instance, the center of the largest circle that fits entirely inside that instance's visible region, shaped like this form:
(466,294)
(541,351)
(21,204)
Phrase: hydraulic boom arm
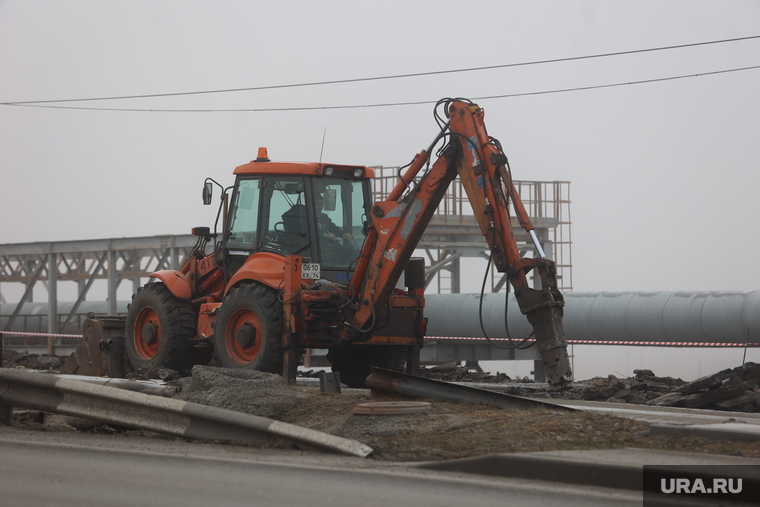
(399,222)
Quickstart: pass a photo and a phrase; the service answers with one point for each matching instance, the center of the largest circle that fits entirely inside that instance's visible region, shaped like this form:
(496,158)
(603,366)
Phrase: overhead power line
(388,104)
(380,78)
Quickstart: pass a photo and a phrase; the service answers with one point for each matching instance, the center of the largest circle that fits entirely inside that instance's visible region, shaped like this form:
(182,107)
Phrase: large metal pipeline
(699,317)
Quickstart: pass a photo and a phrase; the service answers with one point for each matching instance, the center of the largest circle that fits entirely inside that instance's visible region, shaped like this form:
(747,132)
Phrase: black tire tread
(271,358)
(178,327)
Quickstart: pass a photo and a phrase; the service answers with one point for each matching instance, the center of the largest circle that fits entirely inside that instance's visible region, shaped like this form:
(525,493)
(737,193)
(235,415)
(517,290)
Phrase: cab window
(284,218)
(244,215)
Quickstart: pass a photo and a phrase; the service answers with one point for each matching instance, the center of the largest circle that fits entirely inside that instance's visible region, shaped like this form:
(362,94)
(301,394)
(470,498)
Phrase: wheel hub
(149,333)
(246,336)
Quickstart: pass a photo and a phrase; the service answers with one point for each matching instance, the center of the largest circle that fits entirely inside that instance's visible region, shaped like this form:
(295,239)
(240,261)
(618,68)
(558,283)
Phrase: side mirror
(207,193)
(331,196)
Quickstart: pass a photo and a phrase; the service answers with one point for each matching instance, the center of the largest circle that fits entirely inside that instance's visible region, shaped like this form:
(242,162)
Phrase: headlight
(358,173)
(328,171)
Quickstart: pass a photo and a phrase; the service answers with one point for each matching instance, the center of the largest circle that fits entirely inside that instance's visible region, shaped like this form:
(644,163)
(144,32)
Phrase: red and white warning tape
(14,333)
(602,342)
(473,338)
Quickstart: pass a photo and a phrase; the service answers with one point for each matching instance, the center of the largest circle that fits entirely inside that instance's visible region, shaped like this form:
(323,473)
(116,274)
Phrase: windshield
(244,216)
(273,213)
(284,219)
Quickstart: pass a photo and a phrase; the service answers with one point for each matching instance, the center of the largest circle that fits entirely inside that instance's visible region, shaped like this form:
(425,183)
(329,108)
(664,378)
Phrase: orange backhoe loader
(306,260)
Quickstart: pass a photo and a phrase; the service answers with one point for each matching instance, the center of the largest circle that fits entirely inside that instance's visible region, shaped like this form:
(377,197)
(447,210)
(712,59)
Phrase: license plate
(310,271)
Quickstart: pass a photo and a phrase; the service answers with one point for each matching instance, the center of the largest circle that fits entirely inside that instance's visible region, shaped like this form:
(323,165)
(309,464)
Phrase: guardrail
(184,419)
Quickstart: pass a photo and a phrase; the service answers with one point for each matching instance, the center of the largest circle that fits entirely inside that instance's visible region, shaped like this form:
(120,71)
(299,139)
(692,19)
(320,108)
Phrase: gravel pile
(249,391)
(25,360)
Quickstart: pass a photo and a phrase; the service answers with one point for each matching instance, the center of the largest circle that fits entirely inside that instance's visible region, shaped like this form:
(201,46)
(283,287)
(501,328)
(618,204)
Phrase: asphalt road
(39,472)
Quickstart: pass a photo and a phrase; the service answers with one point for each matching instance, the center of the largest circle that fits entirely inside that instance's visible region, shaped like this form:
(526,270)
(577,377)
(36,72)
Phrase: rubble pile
(25,360)
(641,388)
(736,389)
(453,372)
(732,389)
(156,373)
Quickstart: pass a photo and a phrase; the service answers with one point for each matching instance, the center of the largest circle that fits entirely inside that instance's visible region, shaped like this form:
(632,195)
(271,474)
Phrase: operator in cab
(325,225)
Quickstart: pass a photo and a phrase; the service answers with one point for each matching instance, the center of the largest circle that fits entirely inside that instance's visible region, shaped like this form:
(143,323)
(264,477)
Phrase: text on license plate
(310,270)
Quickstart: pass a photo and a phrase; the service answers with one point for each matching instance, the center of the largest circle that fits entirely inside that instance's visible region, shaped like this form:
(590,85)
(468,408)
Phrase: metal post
(329,382)
(112,282)
(30,285)
(81,284)
(5,410)
(174,257)
(115,348)
(413,360)
(52,326)
(455,271)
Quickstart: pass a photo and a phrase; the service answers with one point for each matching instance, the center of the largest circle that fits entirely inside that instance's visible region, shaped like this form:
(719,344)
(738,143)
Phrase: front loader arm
(399,222)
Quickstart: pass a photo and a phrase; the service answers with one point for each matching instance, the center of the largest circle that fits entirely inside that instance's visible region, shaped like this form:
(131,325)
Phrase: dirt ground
(449,431)
(446,431)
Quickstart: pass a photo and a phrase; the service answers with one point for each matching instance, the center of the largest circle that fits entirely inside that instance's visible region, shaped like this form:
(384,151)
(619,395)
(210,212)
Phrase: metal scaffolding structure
(453,234)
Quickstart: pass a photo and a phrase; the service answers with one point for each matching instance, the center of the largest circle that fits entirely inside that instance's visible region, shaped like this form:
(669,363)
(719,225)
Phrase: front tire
(159,328)
(248,329)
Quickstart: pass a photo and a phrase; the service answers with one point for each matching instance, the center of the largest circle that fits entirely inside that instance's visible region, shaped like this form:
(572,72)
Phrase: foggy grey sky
(664,175)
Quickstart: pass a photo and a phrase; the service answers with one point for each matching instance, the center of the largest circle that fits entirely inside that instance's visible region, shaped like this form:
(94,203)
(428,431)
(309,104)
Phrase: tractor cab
(318,211)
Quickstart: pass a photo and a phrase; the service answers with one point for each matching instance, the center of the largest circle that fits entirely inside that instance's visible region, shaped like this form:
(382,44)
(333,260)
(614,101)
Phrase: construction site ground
(446,431)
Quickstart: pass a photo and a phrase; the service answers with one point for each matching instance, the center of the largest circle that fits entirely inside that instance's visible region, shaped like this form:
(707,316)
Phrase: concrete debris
(732,389)
(248,391)
(743,403)
(159,373)
(602,390)
(453,372)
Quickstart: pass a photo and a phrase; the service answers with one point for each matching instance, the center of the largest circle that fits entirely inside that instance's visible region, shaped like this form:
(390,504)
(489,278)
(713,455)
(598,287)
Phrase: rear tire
(248,329)
(159,328)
